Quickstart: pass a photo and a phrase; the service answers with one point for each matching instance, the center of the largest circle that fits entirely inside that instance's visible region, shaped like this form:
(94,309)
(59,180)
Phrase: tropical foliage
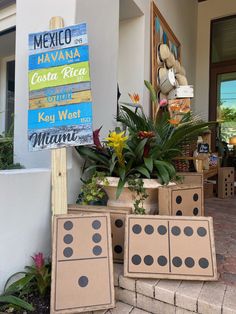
(36,279)
(146,147)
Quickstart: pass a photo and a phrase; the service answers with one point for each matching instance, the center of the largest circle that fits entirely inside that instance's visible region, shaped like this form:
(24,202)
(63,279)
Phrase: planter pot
(127,197)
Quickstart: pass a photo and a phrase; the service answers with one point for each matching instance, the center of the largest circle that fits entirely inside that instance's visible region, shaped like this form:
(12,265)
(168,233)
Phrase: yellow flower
(117,141)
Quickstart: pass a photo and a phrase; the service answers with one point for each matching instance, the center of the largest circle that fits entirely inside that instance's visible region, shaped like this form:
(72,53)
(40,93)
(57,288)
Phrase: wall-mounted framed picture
(161,33)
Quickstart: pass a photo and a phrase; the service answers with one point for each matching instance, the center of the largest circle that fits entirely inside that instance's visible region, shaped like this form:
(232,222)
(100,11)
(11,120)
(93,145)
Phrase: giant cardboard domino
(170,247)
(195,178)
(118,216)
(181,200)
(82,268)
(226,182)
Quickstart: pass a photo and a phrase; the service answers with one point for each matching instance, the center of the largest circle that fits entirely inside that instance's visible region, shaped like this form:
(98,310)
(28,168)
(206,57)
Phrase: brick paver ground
(223,212)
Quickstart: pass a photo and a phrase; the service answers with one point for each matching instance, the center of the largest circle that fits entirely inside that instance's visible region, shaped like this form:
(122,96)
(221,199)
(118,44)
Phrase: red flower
(38,260)
(146,134)
(96,139)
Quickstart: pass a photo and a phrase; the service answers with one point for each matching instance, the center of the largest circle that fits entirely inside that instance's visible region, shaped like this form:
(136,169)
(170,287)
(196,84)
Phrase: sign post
(60,100)
(58,160)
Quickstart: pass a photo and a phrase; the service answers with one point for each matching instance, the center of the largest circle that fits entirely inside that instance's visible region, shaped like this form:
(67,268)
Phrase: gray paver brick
(125,296)
(154,306)
(187,294)
(211,298)
(165,290)
(118,270)
(229,303)
(146,287)
(121,308)
(127,283)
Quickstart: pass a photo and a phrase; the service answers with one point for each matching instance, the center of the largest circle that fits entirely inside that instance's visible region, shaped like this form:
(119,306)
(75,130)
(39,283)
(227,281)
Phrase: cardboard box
(181,200)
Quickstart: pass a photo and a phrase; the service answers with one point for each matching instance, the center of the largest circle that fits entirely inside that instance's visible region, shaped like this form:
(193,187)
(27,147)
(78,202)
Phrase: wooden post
(58,159)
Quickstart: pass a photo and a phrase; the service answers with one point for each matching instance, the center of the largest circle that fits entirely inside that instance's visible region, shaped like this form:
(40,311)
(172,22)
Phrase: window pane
(226,104)
(223,42)
(10,96)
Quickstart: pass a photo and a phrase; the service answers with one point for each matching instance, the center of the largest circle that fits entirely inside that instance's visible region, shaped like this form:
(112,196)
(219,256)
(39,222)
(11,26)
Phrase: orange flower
(175,107)
(174,122)
(134,98)
(146,134)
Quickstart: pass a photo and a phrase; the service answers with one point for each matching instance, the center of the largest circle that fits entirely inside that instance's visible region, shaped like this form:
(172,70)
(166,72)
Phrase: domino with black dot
(181,200)
(118,216)
(170,248)
(82,264)
(226,182)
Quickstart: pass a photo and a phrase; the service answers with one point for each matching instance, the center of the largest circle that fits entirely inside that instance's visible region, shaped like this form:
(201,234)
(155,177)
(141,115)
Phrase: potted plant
(144,149)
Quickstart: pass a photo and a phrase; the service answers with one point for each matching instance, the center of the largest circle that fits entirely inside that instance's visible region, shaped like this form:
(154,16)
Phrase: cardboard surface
(181,200)
(226,182)
(170,247)
(118,216)
(82,269)
(191,178)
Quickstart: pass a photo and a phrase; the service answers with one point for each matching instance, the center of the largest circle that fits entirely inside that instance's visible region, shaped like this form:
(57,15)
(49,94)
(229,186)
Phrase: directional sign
(60,100)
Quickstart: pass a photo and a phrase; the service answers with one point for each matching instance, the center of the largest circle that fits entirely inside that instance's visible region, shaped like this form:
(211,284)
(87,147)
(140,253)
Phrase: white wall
(207,11)
(103,24)
(25,224)
(131,57)
(32,16)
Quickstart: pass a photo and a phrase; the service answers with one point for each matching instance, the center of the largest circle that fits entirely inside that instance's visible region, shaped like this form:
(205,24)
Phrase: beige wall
(181,16)
(207,11)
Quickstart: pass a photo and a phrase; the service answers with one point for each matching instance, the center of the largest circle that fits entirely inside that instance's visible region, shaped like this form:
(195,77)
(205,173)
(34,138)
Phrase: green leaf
(120,188)
(139,149)
(10,299)
(122,173)
(170,168)
(162,172)
(143,171)
(19,285)
(151,90)
(149,163)
(89,153)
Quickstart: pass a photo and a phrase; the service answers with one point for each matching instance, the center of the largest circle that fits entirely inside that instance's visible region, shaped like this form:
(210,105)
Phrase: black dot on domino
(68,239)
(97,238)
(149,229)
(203,263)
(177,261)
(195,211)
(189,262)
(188,231)
(68,252)
(201,231)
(178,199)
(179,213)
(119,223)
(136,259)
(162,230)
(137,229)
(68,225)
(118,249)
(195,197)
(96,224)
(148,260)
(175,231)
(162,260)
(97,250)
(83,281)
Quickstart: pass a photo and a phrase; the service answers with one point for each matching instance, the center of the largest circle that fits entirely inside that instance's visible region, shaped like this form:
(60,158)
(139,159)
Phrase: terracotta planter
(127,197)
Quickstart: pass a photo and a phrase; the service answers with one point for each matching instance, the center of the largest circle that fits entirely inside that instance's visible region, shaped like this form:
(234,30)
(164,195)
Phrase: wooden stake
(58,159)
